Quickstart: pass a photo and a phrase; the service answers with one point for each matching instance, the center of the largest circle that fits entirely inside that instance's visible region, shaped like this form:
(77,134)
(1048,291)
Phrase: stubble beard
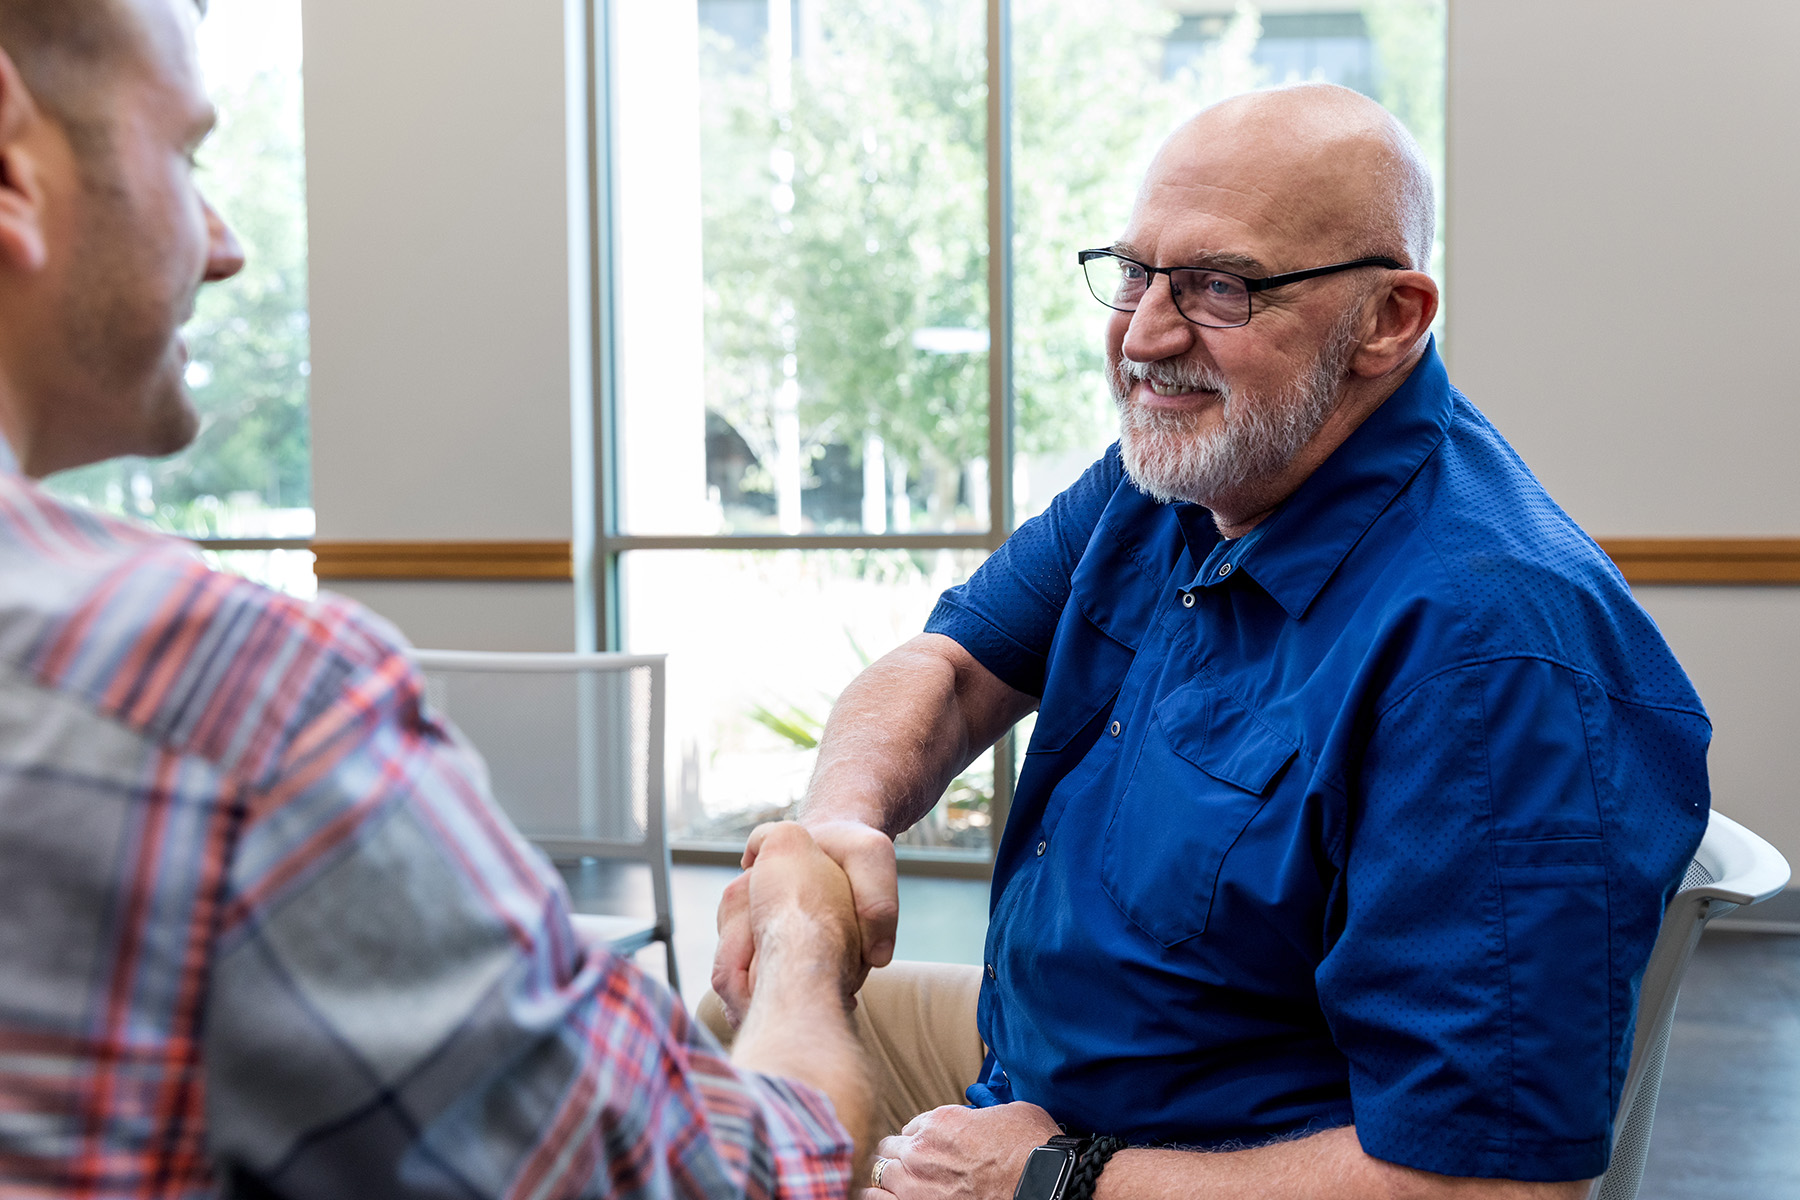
(1171,458)
(123,328)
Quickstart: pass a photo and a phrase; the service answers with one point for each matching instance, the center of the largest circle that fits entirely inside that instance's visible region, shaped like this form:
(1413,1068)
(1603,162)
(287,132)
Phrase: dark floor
(1727,1120)
(1728,1116)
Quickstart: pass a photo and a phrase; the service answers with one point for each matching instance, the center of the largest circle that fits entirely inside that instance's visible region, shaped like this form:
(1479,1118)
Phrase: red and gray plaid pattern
(263,932)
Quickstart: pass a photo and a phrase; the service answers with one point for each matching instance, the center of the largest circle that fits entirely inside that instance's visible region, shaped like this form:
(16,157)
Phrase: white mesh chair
(1732,868)
(574,748)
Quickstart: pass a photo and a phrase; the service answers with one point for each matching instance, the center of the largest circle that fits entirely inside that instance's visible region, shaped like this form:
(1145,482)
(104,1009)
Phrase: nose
(1157,329)
(224,253)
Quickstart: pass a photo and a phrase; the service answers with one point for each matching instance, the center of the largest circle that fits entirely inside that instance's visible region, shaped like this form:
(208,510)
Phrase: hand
(798,908)
(962,1153)
(731,973)
(866,855)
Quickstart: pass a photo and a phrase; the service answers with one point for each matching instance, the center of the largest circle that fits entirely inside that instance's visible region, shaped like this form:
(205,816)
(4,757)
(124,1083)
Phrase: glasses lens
(1115,282)
(1211,298)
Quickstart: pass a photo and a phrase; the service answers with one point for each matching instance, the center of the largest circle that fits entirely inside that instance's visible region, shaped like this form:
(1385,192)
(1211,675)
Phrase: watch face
(1045,1171)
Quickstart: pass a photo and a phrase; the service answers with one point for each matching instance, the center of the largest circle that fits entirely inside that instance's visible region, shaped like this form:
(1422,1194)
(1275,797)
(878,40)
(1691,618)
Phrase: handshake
(815,909)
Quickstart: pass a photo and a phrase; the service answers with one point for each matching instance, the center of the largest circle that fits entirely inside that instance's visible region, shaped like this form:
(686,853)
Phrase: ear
(22,236)
(1401,317)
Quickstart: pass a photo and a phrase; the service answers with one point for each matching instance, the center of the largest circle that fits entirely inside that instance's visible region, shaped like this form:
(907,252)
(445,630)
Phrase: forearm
(1325,1166)
(798,1026)
(903,730)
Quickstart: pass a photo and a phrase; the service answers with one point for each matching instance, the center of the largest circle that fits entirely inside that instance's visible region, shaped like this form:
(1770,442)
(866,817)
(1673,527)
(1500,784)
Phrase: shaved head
(1291,179)
(1347,174)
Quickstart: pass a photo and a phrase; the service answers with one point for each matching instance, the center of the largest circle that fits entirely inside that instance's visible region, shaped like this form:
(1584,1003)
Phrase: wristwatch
(1047,1169)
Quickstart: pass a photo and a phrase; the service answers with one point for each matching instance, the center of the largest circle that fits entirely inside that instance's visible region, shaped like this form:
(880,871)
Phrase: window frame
(609,544)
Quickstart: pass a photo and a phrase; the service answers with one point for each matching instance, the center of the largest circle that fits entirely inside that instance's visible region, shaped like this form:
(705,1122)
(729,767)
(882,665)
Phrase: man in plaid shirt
(262,931)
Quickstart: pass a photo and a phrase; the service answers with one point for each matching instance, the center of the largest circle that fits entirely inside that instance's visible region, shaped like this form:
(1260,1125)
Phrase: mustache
(1188,376)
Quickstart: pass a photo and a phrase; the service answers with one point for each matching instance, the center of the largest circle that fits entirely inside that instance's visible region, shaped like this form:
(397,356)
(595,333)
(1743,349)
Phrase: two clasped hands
(815,910)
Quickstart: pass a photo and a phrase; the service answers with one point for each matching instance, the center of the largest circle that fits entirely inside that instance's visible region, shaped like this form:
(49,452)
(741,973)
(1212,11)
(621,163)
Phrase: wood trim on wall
(1701,561)
(444,560)
(1717,560)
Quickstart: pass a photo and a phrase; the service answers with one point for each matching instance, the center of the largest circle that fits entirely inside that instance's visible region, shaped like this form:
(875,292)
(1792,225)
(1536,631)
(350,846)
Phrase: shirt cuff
(1013,664)
(815,1154)
(1484,1153)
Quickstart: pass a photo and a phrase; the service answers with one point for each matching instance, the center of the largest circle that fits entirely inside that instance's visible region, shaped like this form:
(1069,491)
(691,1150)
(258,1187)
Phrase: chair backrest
(1733,867)
(574,745)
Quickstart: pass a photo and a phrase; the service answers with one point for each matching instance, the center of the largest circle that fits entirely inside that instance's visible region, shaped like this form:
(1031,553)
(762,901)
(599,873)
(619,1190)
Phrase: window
(834,381)
(243,489)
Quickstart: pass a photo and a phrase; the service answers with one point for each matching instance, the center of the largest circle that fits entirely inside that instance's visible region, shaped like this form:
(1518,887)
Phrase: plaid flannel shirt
(264,933)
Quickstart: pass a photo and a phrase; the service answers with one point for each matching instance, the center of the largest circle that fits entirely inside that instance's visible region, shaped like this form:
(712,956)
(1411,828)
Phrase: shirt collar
(1302,544)
(9,462)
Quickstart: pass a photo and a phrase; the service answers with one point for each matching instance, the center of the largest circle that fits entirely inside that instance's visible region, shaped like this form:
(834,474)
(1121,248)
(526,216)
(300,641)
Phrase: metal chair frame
(623,936)
(1732,868)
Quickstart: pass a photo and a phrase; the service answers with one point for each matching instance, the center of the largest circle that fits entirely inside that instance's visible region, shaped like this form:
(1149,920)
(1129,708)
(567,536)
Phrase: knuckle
(879,909)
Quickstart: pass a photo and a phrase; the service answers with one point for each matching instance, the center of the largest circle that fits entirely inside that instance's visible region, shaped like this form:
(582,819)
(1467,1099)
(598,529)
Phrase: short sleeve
(1006,614)
(1511,844)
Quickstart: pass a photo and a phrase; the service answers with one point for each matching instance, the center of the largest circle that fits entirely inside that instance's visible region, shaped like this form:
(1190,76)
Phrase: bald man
(1358,783)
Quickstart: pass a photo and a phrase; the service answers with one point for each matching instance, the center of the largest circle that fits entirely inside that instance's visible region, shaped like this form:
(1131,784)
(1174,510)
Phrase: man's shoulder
(1517,576)
(134,625)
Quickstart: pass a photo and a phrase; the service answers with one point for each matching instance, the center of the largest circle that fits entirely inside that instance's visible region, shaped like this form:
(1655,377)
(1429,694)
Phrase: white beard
(1169,459)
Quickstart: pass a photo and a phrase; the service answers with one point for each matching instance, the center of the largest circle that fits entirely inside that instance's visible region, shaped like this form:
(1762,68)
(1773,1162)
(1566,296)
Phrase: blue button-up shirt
(1368,817)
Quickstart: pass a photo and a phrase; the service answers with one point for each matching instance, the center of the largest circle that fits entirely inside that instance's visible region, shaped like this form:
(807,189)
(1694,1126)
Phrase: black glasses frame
(1251,286)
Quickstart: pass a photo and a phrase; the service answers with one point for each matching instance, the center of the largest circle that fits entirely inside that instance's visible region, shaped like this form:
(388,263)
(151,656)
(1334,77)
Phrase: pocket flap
(1218,735)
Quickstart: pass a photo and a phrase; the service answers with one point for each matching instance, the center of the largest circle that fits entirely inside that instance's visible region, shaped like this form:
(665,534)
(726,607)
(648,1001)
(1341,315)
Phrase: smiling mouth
(1174,390)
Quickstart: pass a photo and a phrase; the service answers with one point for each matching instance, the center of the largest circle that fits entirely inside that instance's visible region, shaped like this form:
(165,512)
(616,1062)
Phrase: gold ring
(881,1164)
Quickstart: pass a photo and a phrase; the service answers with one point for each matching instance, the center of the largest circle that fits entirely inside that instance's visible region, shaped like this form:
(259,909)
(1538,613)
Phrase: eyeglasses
(1215,299)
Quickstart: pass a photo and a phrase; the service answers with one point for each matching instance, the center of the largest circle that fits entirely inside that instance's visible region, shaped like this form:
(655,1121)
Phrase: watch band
(1092,1160)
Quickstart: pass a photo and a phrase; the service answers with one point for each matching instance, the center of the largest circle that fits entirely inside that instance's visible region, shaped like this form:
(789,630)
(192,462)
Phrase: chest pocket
(1204,771)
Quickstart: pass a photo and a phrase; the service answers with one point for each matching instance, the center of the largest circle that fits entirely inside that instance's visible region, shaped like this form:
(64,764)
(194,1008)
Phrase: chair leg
(674,975)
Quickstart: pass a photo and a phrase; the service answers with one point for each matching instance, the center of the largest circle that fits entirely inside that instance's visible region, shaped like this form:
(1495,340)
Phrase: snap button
(1187,599)
(1042,846)
(990,968)
(1224,570)
(1116,728)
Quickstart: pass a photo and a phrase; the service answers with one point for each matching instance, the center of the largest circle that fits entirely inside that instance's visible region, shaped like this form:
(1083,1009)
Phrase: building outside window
(243,489)
(810,436)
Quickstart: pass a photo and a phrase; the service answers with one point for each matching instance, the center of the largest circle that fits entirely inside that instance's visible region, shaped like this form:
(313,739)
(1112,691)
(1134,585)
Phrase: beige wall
(1621,300)
(446,186)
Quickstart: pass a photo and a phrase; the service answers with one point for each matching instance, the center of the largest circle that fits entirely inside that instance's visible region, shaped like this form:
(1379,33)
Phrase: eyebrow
(1224,260)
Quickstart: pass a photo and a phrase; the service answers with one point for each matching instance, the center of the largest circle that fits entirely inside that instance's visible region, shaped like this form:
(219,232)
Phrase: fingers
(784,839)
(894,1180)
(753,845)
(917,1125)
(731,978)
(795,886)
(866,855)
